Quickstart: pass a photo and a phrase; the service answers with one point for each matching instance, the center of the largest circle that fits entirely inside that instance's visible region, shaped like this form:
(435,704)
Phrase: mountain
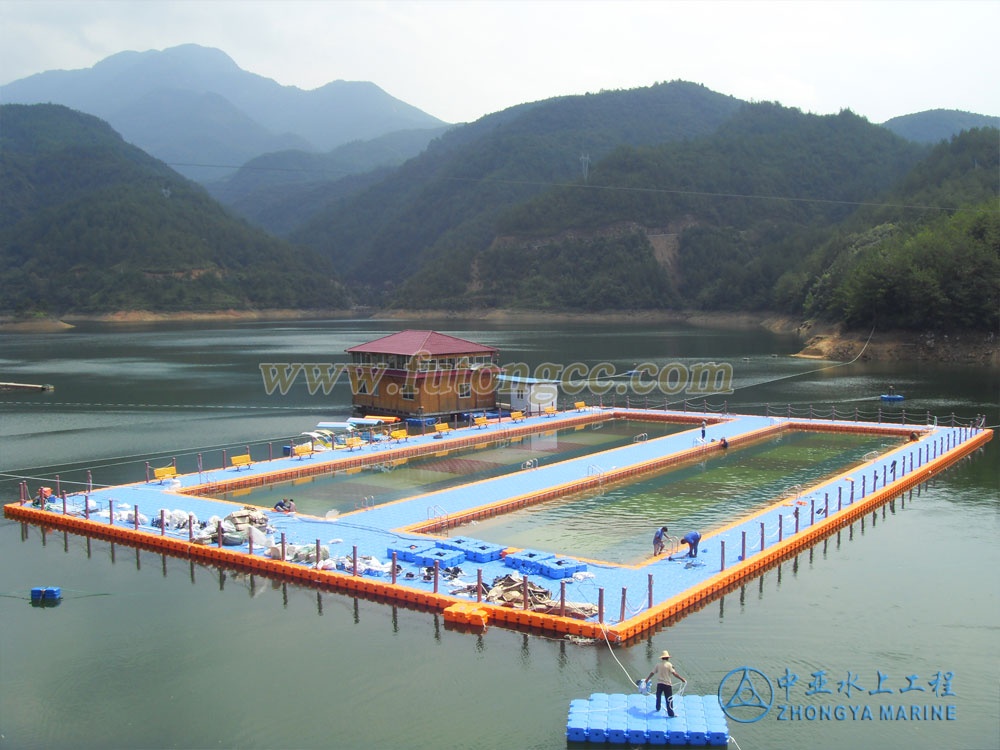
(443,205)
(711,222)
(280,191)
(91,223)
(936,125)
(193,105)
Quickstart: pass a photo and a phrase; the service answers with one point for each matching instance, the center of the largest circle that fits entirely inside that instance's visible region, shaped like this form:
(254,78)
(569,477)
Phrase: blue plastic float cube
(636,729)
(617,726)
(484,552)
(445,558)
(656,729)
(561,567)
(576,726)
(527,561)
(404,553)
(716,737)
(677,736)
(456,542)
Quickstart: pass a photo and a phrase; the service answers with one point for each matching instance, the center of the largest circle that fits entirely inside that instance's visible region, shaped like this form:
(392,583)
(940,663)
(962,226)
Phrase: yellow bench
(239,461)
(516,415)
(580,405)
(480,421)
(442,427)
(550,411)
(353,442)
(399,434)
(165,472)
(301,451)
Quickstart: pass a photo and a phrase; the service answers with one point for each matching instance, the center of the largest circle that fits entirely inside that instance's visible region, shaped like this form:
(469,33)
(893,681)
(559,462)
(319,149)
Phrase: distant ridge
(936,125)
(193,104)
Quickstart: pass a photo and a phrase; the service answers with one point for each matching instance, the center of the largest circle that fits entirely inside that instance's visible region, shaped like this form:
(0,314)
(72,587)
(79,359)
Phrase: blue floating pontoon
(633,719)
(891,397)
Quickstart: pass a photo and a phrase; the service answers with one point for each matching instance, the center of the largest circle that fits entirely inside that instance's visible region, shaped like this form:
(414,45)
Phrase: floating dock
(412,533)
(633,719)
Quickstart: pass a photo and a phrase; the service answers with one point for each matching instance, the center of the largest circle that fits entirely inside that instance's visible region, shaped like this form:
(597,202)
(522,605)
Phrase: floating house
(423,375)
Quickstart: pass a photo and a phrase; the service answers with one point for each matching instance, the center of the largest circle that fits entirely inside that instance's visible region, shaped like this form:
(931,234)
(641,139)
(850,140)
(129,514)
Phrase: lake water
(147,651)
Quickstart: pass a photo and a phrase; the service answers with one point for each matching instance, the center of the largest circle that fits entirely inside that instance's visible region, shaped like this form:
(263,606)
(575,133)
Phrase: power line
(709,194)
(585,164)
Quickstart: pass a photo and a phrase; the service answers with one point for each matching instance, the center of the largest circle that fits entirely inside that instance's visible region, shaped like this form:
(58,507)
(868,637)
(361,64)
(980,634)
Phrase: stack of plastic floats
(634,719)
(532,562)
(449,552)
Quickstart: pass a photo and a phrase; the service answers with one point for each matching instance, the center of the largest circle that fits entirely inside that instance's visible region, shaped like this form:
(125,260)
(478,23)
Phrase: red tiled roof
(410,342)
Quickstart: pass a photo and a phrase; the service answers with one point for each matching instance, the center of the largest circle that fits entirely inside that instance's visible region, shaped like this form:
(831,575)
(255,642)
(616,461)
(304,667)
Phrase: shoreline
(820,340)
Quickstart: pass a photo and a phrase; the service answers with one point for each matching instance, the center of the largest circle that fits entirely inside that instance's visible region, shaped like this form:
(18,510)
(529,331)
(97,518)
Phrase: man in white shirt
(664,671)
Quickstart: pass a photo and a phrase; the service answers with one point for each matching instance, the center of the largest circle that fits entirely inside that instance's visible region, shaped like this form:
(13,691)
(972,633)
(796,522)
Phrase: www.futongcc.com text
(699,378)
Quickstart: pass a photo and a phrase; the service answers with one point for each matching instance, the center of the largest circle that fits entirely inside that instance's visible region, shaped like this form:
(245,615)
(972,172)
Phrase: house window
(408,392)
(364,389)
(464,390)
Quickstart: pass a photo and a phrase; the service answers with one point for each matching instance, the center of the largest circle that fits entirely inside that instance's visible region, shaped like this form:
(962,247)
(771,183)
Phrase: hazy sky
(461,60)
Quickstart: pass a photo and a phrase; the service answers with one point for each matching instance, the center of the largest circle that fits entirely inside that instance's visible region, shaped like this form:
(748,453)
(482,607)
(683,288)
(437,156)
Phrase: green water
(376,485)
(615,524)
(154,652)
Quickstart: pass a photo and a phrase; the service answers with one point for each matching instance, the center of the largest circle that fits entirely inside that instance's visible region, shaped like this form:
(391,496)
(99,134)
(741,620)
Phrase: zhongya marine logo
(746,695)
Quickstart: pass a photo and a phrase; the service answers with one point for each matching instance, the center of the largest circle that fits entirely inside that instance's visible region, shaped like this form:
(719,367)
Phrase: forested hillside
(821,216)
(928,258)
(736,208)
(441,208)
(90,223)
(283,190)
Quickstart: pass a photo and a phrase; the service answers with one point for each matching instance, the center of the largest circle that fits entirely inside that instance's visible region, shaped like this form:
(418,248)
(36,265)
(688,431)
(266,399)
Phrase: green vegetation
(945,276)
(746,203)
(435,213)
(89,223)
(603,274)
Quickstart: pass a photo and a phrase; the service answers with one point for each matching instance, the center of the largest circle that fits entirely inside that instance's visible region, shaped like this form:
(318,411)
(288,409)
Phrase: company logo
(746,695)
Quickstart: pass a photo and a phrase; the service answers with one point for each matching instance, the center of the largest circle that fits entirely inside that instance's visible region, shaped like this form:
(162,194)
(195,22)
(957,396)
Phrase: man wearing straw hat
(664,684)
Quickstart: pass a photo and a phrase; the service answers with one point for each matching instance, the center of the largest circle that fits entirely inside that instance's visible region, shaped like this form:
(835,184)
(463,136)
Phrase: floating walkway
(410,533)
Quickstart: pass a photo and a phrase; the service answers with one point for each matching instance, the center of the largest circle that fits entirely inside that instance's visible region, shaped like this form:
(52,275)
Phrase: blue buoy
(46,596)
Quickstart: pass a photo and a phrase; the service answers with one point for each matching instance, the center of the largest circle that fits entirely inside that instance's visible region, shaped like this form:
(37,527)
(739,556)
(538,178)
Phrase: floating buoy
(891,397)
(46,592)
(46,596)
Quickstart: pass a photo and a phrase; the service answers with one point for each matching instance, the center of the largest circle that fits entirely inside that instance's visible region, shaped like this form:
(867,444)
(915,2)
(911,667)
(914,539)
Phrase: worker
(282,506)
(664,672)
(691,539)
(658,540)
(704,424)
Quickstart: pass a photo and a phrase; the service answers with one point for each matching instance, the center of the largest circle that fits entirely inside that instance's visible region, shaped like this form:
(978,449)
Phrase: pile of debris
(508,591)
(238,528)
